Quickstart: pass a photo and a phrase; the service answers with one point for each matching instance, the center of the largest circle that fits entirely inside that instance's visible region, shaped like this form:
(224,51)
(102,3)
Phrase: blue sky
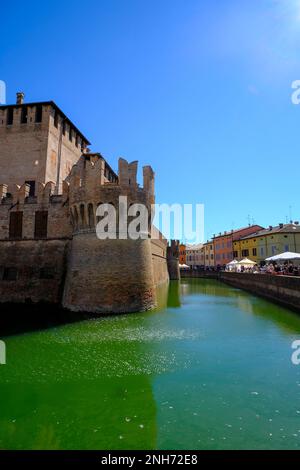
(201,90)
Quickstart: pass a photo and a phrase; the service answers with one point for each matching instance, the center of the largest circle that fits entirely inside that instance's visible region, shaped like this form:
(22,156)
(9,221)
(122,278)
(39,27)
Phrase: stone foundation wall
(282,289)
(97,276)
(32,270)
(187,273)
(109,276)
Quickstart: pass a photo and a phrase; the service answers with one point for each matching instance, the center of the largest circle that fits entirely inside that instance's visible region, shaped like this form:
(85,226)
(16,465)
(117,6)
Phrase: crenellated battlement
(87,188)
(43,215)
(20,194)
(88,177)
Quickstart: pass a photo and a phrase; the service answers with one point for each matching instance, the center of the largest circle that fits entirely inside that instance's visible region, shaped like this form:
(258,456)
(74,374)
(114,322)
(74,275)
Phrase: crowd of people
(283,269)
(286,269)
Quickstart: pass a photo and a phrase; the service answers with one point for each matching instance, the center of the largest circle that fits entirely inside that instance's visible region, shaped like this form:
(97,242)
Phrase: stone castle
(50,187)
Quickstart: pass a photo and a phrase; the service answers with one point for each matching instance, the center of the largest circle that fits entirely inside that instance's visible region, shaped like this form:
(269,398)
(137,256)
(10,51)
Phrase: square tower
(38,143)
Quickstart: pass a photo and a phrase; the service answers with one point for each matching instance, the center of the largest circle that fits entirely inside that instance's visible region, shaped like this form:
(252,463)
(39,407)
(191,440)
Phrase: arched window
(75,218)
(82,215)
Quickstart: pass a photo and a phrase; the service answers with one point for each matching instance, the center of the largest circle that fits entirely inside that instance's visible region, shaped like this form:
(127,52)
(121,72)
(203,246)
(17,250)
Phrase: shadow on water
(22,318)
(27,317)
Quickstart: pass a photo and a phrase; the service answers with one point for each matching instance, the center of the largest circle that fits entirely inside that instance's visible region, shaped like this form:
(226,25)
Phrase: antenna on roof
(290,213)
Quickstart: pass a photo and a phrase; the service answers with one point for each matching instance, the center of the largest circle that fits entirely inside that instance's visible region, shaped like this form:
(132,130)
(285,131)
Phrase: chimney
(270,227)
(280,225)
(20,97)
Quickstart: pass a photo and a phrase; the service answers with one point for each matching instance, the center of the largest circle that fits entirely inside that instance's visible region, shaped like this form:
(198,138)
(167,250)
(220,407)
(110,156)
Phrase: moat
(210,369)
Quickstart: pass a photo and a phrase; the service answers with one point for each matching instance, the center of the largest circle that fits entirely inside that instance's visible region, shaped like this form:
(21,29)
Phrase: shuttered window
(15,224)
(41,223)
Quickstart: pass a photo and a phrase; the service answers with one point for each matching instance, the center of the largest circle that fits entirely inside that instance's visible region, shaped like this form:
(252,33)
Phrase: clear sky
(199,89)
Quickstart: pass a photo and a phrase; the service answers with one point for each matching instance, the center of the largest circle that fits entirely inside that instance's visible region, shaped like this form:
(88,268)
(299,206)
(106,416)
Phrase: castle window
(10,274)
(64,128)
(70,134)
(55,118)
(76,140)
(47,273)
(16,224)
(38,113)
(24,115)
(32,188)
(41,224)
(254,251)
(10,116)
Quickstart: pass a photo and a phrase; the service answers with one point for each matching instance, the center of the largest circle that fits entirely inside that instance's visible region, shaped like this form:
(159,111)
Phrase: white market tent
(183,266)
(246,262)
(287,256)
(232,263)
(230,266)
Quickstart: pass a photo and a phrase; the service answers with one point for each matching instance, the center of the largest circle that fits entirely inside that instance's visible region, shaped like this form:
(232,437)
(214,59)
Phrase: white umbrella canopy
(183,266)
(287,256)
(246,262)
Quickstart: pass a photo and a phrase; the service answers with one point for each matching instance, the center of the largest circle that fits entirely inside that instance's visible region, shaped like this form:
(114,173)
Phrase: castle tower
(107,275)
(38,144)
(173,260)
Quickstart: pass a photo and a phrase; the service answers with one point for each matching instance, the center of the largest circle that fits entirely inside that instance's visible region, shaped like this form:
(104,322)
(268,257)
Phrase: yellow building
(246,247)
(269,242)
(208,254)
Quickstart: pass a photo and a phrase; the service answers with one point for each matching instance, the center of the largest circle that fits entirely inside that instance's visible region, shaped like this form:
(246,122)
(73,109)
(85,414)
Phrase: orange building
(182,254)
(223,243)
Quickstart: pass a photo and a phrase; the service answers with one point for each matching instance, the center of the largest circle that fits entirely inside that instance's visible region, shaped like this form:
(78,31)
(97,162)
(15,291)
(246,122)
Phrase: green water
(210,369)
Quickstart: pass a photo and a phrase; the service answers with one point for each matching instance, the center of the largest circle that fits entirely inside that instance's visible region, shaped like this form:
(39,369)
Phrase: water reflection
(244,301)
(174,295)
